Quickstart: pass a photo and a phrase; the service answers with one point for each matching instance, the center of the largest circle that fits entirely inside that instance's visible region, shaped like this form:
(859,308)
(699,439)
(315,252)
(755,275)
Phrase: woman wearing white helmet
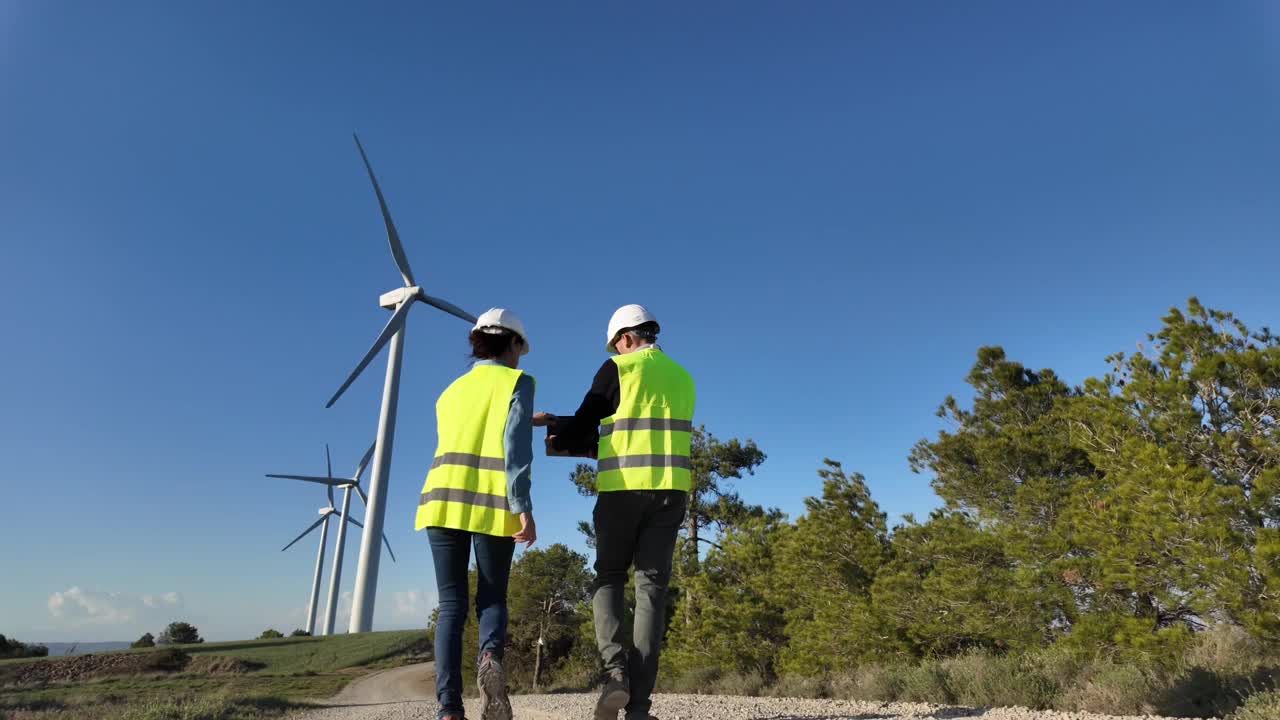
(477,495)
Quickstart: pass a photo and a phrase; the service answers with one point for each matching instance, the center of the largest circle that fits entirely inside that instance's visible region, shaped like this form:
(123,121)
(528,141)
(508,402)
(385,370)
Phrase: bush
(180,633)
(926,682)
(799,687)
(744,684)
(299,633)
(270,634)
(881,683)
(694,680)
(167,660)
(982,680)
(14,649)
(1227,648)
(146,641)
(1259,706)
(1113,689)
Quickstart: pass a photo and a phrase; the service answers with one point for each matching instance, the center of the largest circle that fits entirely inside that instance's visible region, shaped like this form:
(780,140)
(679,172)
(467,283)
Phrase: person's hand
(528,530)
(543,419)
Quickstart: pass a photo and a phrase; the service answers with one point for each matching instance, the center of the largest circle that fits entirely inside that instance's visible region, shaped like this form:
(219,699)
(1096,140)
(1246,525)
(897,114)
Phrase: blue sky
(830,206)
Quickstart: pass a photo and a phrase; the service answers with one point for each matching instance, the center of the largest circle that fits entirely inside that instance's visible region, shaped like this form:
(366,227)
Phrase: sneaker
(614,697)
(494,703)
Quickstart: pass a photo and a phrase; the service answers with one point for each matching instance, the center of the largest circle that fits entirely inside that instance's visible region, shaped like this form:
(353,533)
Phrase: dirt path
(403,684)
(408,693)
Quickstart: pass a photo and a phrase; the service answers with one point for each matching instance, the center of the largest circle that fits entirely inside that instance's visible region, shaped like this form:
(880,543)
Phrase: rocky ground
(78,668)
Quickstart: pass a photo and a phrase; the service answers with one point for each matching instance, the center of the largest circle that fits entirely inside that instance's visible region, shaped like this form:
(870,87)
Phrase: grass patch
(1260,706)
(214,681)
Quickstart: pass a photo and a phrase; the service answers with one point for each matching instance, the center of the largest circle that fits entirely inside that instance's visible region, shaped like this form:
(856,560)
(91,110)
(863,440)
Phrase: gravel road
(408,694)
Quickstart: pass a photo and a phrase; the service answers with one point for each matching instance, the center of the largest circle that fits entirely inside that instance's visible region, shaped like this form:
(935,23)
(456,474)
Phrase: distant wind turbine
(347,485)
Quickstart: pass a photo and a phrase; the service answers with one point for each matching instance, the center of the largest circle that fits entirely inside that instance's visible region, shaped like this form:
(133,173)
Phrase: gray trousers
(634,527)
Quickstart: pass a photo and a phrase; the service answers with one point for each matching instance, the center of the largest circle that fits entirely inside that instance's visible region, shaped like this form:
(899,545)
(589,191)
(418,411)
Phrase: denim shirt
(518,441)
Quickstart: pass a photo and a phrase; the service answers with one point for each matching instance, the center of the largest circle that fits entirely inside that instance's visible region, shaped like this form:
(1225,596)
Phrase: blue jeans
(451,553)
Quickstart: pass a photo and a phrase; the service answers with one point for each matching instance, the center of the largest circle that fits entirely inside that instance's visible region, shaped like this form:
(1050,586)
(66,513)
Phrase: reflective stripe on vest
(645,445)
(466,488)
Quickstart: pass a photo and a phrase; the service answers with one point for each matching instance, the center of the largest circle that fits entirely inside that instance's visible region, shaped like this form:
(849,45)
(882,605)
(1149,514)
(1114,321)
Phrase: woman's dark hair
(490,345)
(647,332)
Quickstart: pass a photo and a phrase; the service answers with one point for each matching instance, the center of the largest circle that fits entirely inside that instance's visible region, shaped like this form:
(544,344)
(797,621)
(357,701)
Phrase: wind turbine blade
(354,521)
(306,532)
(394,324)
(364,462)
(328,464)
(448,307)
(334,482)
(388,544)
(363,498)
(397,250)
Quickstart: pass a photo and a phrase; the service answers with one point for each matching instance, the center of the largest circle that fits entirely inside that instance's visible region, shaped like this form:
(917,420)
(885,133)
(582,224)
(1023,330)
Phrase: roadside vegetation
(209,681)
(1112,546)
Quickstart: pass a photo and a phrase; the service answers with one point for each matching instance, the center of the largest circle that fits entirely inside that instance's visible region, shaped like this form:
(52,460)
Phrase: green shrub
(926,682)
(794,686)
(1259,706)
(1229,649)
(1114,689)
(744,684)
(10,648)
(170,659)
(180,633)
(881,683)
(270,634)
(694,680)
(983,680)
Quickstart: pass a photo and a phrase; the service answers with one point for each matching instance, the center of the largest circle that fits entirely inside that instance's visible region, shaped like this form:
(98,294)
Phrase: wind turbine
(400,300)
(347,485)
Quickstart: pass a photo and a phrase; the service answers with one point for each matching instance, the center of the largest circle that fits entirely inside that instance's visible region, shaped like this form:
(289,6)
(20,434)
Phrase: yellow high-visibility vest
(645,445)
(466,488)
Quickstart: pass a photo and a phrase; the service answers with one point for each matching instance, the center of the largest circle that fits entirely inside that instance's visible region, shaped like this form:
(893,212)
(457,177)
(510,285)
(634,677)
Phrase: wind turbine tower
(400,301)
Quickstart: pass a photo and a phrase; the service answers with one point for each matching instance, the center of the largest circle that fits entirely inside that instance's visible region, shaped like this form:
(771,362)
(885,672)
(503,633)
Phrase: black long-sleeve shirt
(578,434)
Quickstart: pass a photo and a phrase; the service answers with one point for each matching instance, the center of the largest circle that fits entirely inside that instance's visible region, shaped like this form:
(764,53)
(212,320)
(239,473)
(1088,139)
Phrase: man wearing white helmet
(637,420)
(477,494)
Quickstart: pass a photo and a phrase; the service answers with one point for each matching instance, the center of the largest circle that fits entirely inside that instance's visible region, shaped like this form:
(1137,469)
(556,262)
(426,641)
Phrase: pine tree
(825,567)
(548,591)
(738,625)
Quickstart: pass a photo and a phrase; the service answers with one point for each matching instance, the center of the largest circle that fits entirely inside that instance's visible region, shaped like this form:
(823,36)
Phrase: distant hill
(61,648)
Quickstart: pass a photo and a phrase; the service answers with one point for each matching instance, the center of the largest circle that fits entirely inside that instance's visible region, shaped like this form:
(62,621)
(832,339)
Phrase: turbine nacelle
(391,300)
(330,482)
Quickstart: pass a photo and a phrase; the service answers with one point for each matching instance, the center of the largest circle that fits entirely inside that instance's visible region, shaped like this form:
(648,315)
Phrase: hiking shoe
(494,703)
(614,697)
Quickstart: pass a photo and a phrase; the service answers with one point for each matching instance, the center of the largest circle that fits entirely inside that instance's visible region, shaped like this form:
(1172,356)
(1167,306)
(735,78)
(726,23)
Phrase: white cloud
(401,609)
(412,606)
(86,607)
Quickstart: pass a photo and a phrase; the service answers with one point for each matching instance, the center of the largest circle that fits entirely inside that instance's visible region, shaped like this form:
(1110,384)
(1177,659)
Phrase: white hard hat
(495,320)
(627,316)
